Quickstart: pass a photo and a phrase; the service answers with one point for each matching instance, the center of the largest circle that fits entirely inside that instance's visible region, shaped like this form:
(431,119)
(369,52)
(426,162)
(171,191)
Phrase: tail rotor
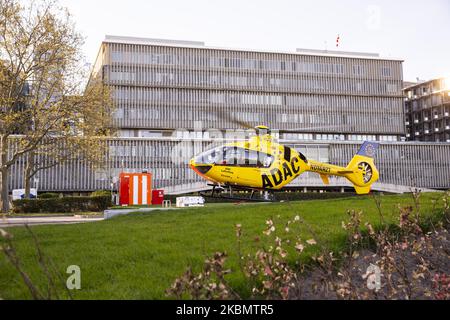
(361,170)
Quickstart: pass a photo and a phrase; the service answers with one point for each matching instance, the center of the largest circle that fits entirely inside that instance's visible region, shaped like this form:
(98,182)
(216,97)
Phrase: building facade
(427,108)
(162,85)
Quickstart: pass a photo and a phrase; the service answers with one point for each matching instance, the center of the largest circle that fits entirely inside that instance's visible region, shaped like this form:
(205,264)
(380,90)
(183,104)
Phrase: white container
(18,194)
(183,202)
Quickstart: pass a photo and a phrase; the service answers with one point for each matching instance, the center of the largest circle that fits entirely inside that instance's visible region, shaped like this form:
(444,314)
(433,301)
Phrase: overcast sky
(416,31)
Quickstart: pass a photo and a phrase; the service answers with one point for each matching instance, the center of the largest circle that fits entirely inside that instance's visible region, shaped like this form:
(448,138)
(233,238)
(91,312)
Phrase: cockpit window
(235,156)
(210,157)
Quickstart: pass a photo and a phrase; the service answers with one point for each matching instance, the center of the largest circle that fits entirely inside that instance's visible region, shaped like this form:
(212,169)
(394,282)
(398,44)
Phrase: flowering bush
(208,284)
(406,262)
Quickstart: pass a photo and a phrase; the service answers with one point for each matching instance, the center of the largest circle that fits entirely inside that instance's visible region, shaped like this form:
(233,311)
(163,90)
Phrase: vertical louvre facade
(422,165)
(165,86)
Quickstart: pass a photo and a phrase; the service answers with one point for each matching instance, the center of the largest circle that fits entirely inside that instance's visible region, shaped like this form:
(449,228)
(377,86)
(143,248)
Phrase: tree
(44,108)
(83,141)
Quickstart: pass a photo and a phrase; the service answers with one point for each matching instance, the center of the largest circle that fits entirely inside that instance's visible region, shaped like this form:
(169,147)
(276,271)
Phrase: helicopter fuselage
(258,163)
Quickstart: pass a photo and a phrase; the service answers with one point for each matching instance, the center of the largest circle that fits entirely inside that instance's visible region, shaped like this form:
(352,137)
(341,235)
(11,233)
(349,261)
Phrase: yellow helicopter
(260,164)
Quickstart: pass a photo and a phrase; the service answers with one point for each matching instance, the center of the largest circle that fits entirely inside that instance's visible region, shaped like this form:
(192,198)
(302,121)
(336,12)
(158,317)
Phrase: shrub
(101,193)
(409,262)
(62,205)
(48,195)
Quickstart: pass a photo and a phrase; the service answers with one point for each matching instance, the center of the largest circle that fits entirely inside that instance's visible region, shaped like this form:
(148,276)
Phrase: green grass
(138,256)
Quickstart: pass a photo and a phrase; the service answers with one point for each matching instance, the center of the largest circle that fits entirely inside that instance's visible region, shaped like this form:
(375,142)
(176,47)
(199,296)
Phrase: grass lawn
(138,256)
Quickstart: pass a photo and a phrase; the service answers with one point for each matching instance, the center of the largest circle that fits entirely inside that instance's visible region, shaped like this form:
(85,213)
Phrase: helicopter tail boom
(361,170)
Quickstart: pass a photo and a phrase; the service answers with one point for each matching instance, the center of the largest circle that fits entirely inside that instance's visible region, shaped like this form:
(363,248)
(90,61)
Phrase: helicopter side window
(265,159)
(257,159)
(210,157)
(233,156)
(251,158)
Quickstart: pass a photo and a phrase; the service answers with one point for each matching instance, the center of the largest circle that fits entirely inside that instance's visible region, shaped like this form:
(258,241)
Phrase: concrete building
(162,85)
(322,103)
(427,108)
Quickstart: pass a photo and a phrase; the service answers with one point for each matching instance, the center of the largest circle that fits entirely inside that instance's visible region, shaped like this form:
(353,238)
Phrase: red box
(135,189)
(157,197)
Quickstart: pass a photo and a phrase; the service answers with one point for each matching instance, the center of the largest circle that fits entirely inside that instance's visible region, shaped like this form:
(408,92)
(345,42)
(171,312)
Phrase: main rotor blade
(232,119)
(246,125)
(303,129)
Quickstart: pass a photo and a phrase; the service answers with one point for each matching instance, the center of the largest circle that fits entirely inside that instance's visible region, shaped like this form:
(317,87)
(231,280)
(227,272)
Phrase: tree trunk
(4,172)
(4,194)
(27,174)
(27,185)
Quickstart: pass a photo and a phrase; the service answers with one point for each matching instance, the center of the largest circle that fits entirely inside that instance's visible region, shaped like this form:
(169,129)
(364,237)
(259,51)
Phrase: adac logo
(288,172)
(370,150)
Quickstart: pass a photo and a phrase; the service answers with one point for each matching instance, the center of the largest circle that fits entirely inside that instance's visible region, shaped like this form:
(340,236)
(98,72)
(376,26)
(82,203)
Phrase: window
(386,71)
(392,88)
(339,68)
(149,134)
(118,113)
(323,154)
(245,157)
(409,94)
(359,86)
(235,156)
(358,70)
(116,56)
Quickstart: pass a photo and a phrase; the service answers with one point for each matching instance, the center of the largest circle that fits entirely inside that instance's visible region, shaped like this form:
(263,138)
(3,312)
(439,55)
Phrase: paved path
(108,214)
(13,222)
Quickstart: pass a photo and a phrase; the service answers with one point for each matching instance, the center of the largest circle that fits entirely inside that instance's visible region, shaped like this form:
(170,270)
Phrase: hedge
(101,193)
(279,196)
(62,205)
(48,195)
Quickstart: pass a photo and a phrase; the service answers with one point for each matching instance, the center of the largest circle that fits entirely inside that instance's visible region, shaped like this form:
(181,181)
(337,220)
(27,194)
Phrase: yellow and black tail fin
(361,170)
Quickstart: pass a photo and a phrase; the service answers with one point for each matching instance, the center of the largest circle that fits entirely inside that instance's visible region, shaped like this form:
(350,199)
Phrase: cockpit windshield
(235,156)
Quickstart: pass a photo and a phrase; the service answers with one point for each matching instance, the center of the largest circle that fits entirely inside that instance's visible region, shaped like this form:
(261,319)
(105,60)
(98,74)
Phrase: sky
(416,31)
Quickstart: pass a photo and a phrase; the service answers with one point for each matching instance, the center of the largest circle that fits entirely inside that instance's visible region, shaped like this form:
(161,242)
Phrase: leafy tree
(48,114)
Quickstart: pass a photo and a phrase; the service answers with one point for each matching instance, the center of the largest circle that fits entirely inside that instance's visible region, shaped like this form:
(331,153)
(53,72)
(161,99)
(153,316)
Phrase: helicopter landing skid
(226,192)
